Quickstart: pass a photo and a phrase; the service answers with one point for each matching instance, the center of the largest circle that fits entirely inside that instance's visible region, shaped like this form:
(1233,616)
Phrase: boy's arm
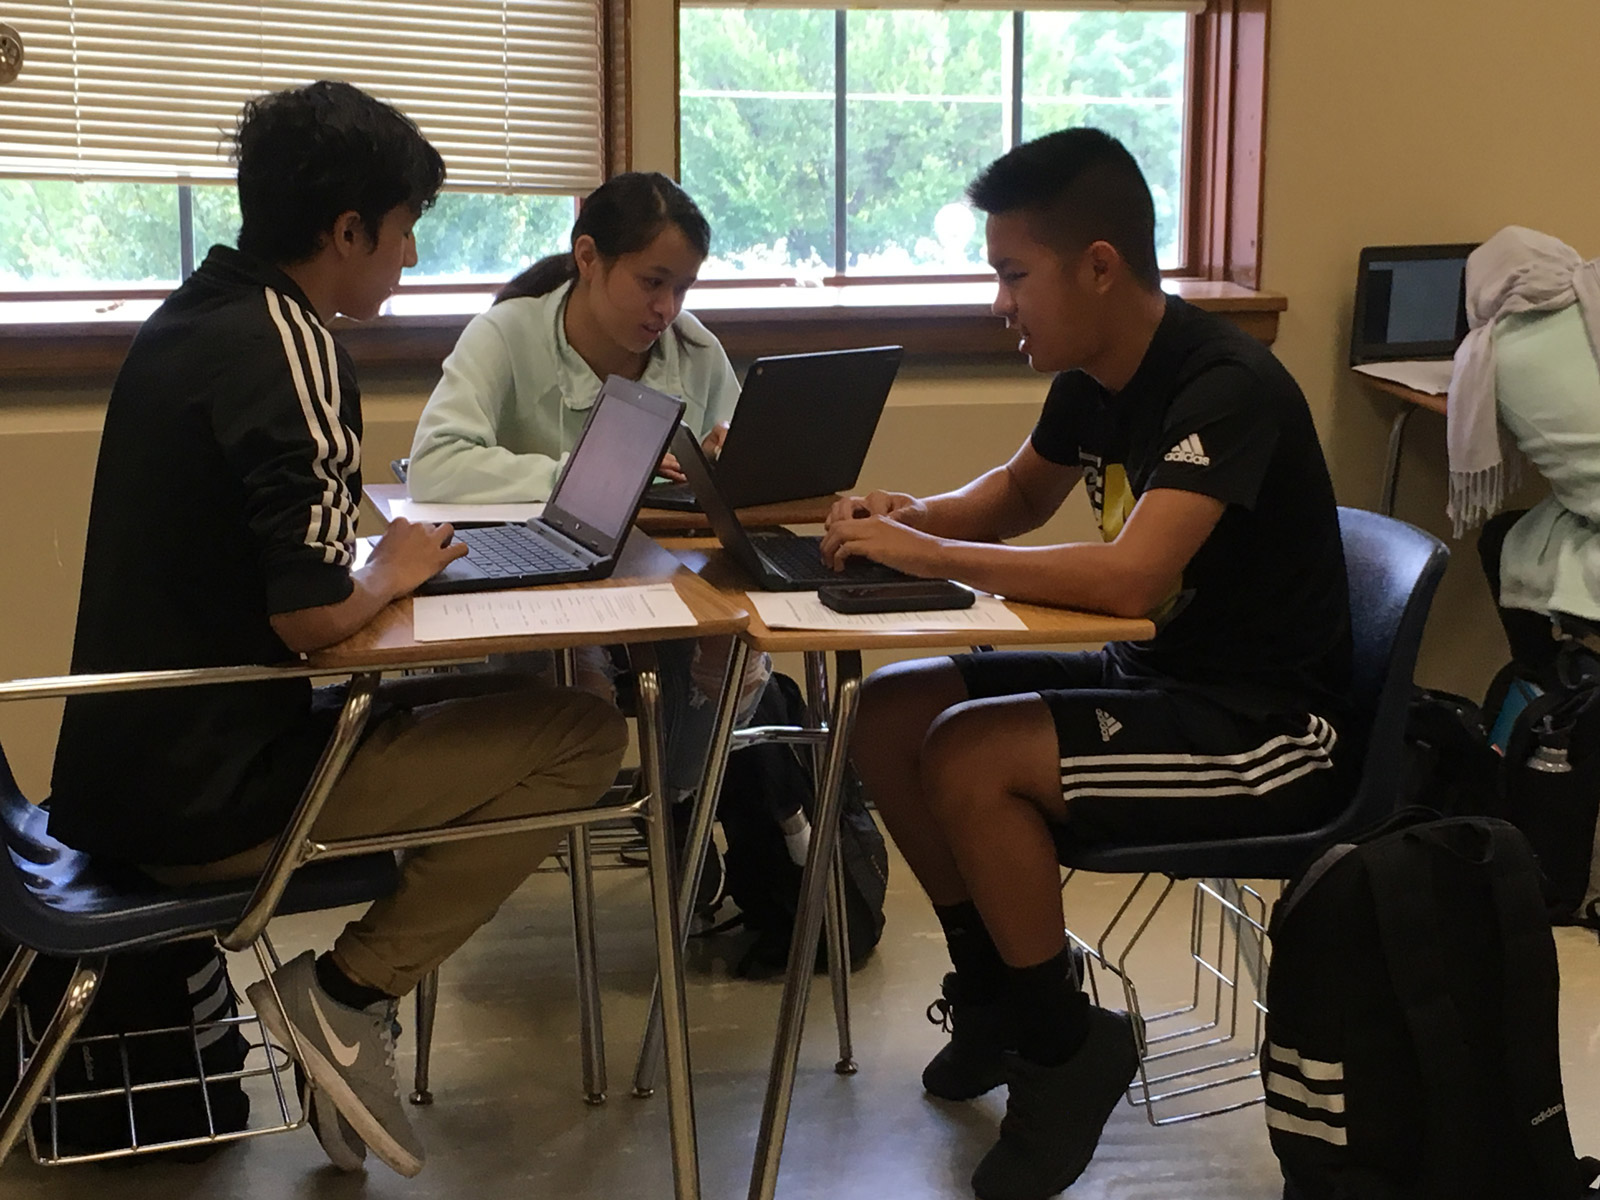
(1215,448)
(1010,500)
(280,422)
(407,555)
(1126,577)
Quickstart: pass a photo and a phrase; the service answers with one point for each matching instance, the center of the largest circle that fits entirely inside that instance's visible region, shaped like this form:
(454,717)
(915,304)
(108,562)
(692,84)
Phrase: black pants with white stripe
(1140,761)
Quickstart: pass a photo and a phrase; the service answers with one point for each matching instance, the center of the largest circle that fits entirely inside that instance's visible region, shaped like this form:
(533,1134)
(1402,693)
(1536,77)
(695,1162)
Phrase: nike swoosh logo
(344,1055)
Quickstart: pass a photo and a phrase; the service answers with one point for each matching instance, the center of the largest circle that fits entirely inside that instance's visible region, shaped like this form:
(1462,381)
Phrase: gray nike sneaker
(339,1141)
(349,1054)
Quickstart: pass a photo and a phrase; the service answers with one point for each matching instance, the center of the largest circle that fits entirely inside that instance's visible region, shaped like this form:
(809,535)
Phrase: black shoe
(1054,1115)
(972,1062)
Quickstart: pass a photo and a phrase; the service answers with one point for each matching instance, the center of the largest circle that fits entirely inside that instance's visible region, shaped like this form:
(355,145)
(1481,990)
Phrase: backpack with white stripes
(119,1078)
(1412,1049)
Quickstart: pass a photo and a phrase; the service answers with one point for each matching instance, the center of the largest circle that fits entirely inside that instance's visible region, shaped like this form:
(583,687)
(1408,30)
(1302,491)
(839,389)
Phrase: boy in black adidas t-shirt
(1217,515)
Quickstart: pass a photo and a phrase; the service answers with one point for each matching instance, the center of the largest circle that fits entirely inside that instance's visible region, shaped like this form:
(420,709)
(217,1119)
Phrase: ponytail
(544,277)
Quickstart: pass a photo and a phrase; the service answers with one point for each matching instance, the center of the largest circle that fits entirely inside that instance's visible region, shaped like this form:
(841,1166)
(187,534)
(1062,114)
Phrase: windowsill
(59,340)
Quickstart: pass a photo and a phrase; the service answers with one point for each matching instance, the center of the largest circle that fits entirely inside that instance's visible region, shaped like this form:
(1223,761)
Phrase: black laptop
(586,519)
(802,428)
(1411,303)
(779,561)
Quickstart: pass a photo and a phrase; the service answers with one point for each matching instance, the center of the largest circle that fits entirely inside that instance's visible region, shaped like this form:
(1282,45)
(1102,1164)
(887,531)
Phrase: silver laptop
(586,519)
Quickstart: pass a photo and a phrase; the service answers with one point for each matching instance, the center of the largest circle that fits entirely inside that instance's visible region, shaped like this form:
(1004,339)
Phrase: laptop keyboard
(506,551)
(800,558)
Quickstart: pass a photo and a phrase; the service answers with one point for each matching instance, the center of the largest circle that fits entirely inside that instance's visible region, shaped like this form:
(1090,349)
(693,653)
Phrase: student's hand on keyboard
(908,510)
(411,552)
(883,539)
(669,469)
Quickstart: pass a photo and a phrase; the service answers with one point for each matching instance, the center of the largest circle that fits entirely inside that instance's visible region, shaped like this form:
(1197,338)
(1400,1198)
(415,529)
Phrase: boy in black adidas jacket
(222,532)
(1217,518)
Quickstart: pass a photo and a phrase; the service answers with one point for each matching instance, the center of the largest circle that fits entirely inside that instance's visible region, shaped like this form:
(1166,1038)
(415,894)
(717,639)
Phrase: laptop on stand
(779,561)
(802,428)
(586,520)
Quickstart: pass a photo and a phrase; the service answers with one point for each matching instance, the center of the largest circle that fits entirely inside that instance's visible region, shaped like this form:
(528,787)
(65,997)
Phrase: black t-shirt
(225,492)
(1261,617)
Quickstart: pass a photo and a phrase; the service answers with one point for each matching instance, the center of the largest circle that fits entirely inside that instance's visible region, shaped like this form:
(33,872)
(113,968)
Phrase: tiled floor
(509,1122)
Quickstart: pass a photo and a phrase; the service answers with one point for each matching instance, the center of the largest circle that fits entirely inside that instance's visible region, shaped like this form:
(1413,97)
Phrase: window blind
(510,91)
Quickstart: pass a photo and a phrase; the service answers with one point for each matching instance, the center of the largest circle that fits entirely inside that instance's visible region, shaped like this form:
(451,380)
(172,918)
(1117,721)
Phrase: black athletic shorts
(1140,760)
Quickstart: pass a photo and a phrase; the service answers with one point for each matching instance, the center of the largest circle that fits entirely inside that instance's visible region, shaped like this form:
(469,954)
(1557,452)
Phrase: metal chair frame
(295,847)
(1401,567)
(1228,953)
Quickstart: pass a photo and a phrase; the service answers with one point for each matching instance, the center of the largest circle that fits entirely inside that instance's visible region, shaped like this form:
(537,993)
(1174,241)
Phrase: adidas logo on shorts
(1109,725)
(1189,451)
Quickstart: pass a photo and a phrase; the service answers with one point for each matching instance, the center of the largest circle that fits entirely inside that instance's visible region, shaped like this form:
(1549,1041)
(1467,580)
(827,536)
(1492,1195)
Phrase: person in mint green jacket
(519,384)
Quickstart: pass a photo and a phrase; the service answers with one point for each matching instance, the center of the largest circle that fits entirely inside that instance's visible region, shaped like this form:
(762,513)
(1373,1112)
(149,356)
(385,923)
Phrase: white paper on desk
(802,610)
(548,610)
(461,514)
(1432,377)
(363,551)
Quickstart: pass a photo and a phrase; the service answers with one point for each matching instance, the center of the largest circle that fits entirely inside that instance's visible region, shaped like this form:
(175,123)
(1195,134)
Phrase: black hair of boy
(623,215)
(308,155)
(1078,186)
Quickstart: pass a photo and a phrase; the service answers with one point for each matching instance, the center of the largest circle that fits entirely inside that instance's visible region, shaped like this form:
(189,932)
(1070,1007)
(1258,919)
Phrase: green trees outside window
(55,234)
(926,98)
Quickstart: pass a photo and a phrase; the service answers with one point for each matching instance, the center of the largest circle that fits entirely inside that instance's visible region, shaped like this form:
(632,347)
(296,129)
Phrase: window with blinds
(510,91)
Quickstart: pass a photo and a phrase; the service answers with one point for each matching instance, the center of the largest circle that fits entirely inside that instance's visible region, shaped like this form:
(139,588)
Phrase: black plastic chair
(55,901)
(1394,570)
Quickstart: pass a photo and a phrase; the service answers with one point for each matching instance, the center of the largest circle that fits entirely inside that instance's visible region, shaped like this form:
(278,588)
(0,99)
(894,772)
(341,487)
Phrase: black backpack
(1412,1049)
(764,784)
(173,987)
(1546,781)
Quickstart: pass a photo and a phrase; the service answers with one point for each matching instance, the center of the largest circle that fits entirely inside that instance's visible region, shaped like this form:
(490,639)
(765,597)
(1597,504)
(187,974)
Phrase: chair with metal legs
(1394,570)
(53,902)
(591,1031)
(580,870)
(815,735)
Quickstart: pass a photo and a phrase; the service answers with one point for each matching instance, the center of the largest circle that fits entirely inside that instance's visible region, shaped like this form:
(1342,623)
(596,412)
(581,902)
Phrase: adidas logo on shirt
(1189,451)
(1109,725)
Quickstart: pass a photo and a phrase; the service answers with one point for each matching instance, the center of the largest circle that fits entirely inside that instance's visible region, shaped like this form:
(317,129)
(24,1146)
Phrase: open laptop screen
(1410,302)
(616,455)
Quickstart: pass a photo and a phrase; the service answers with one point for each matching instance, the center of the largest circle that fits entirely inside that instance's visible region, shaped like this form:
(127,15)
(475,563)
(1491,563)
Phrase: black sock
(1051,1011)
(344,989)
(978,964)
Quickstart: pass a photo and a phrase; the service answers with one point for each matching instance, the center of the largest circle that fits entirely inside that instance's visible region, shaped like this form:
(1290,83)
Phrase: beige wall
(1418,121)
(1387,122)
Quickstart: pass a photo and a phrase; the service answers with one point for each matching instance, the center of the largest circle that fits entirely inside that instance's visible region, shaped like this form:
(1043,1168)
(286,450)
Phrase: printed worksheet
(549,610)
(802,610)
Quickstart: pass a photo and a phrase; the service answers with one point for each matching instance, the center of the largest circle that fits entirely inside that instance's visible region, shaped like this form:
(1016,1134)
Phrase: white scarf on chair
(1516,271)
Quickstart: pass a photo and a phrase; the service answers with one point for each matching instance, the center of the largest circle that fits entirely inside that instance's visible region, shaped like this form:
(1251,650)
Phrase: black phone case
(918,596)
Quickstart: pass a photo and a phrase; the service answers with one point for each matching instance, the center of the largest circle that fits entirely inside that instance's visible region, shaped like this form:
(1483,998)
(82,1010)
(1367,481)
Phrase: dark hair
(1078,186)
(624,214)
(310,154)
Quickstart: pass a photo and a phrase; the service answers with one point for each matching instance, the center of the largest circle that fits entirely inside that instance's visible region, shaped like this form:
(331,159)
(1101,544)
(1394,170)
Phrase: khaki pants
(507,755)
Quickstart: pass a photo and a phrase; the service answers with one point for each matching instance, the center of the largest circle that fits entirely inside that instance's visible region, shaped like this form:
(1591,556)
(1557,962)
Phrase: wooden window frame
(1223,158)
(1226,146)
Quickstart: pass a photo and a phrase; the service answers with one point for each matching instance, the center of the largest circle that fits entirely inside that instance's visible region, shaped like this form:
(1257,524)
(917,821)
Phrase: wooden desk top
(388,639)
(811,511)
(1425,400)
(1046,626)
